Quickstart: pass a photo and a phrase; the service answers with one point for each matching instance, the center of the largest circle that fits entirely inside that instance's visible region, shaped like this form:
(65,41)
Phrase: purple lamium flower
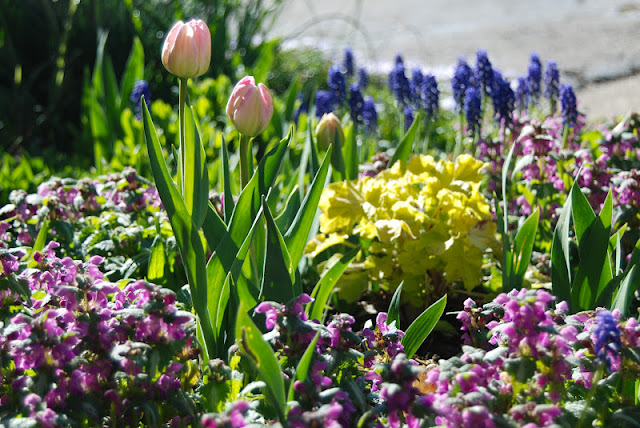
(323,103)
(462,80)
(484,71)
(337,86)
(535,75)
(607,338)
(472,107)
(569,105)
(141,88)
(348,62)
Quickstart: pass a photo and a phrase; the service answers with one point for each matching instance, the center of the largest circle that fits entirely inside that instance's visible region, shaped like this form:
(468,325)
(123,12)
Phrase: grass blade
(403,151)
(393,314)
(304,365)
(322,291)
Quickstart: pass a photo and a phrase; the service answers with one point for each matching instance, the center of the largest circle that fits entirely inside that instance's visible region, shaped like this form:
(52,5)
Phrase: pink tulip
(187,49)
(250,107)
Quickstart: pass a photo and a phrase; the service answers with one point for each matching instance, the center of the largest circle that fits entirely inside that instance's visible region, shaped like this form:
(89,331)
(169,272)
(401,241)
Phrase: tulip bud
(329,131)
(187,49)
(250,107)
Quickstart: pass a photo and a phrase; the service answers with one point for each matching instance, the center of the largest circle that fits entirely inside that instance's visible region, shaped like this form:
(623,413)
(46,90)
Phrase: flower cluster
(423,222)
(76,347)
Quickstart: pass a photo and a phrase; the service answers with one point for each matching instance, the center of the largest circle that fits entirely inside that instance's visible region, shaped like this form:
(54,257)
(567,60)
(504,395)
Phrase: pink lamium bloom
(187,49)
(250,107)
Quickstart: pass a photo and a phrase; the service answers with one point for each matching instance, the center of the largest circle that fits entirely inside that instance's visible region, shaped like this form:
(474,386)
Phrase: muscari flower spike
(363,78)
(400,84)
(535,75)
(416,85)
(356,103)
(503,97)
(369,115)
(522,93)
(569,105)
(472,107)
(348,62)
(139,89)
(323,103)
(552,81)
(607,335)
(430,94)
(461,81)
(484,70)
(337,86)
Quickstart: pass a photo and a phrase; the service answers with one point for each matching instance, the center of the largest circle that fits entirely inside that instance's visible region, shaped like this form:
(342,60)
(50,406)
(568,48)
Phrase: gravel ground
(596,43)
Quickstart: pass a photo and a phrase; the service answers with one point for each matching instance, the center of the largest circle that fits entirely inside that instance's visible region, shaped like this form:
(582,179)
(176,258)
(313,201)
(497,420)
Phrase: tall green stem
(182,84)
(245,159)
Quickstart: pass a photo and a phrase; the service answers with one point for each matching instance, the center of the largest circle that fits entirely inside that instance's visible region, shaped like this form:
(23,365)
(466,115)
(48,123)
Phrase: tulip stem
(245,159)
(182,101)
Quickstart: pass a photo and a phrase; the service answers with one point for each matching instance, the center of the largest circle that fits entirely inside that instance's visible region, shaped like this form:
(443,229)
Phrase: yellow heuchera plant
(422,222)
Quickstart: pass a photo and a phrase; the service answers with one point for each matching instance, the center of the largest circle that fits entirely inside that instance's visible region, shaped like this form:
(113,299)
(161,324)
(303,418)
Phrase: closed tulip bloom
(329,131)
(250,107)
(187,49)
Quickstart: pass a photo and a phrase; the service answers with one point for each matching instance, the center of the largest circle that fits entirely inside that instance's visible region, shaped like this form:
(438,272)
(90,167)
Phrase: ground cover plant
(316,257)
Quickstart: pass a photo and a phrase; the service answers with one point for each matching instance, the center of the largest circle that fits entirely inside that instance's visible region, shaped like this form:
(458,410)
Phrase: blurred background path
(596,43)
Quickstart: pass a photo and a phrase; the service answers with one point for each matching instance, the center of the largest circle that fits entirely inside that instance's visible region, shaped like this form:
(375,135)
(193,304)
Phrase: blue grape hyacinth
(503,98)
(356,103)
(416,85)
(431,95)
(607,337)
(472,110)
(370,115)
(399,83)
(461,81)
(535,76)
(552,81)
(323,103)
(348,62)
(522,93)
(363,78)
(139,89)
(568,103)
(337,86)
(484,71)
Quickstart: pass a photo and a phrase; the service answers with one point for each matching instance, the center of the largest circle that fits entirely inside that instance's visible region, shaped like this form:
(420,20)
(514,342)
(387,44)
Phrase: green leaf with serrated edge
(297,235)
(560,262)
(226,183)
(133,70)
(157,260)
(323,289)
(187,236)
(303,366)
(394,307)
(350,153)
(523,246)
(277,276)
(196,175)
(254,347)
(41,240)
(404,148)
(422,327)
